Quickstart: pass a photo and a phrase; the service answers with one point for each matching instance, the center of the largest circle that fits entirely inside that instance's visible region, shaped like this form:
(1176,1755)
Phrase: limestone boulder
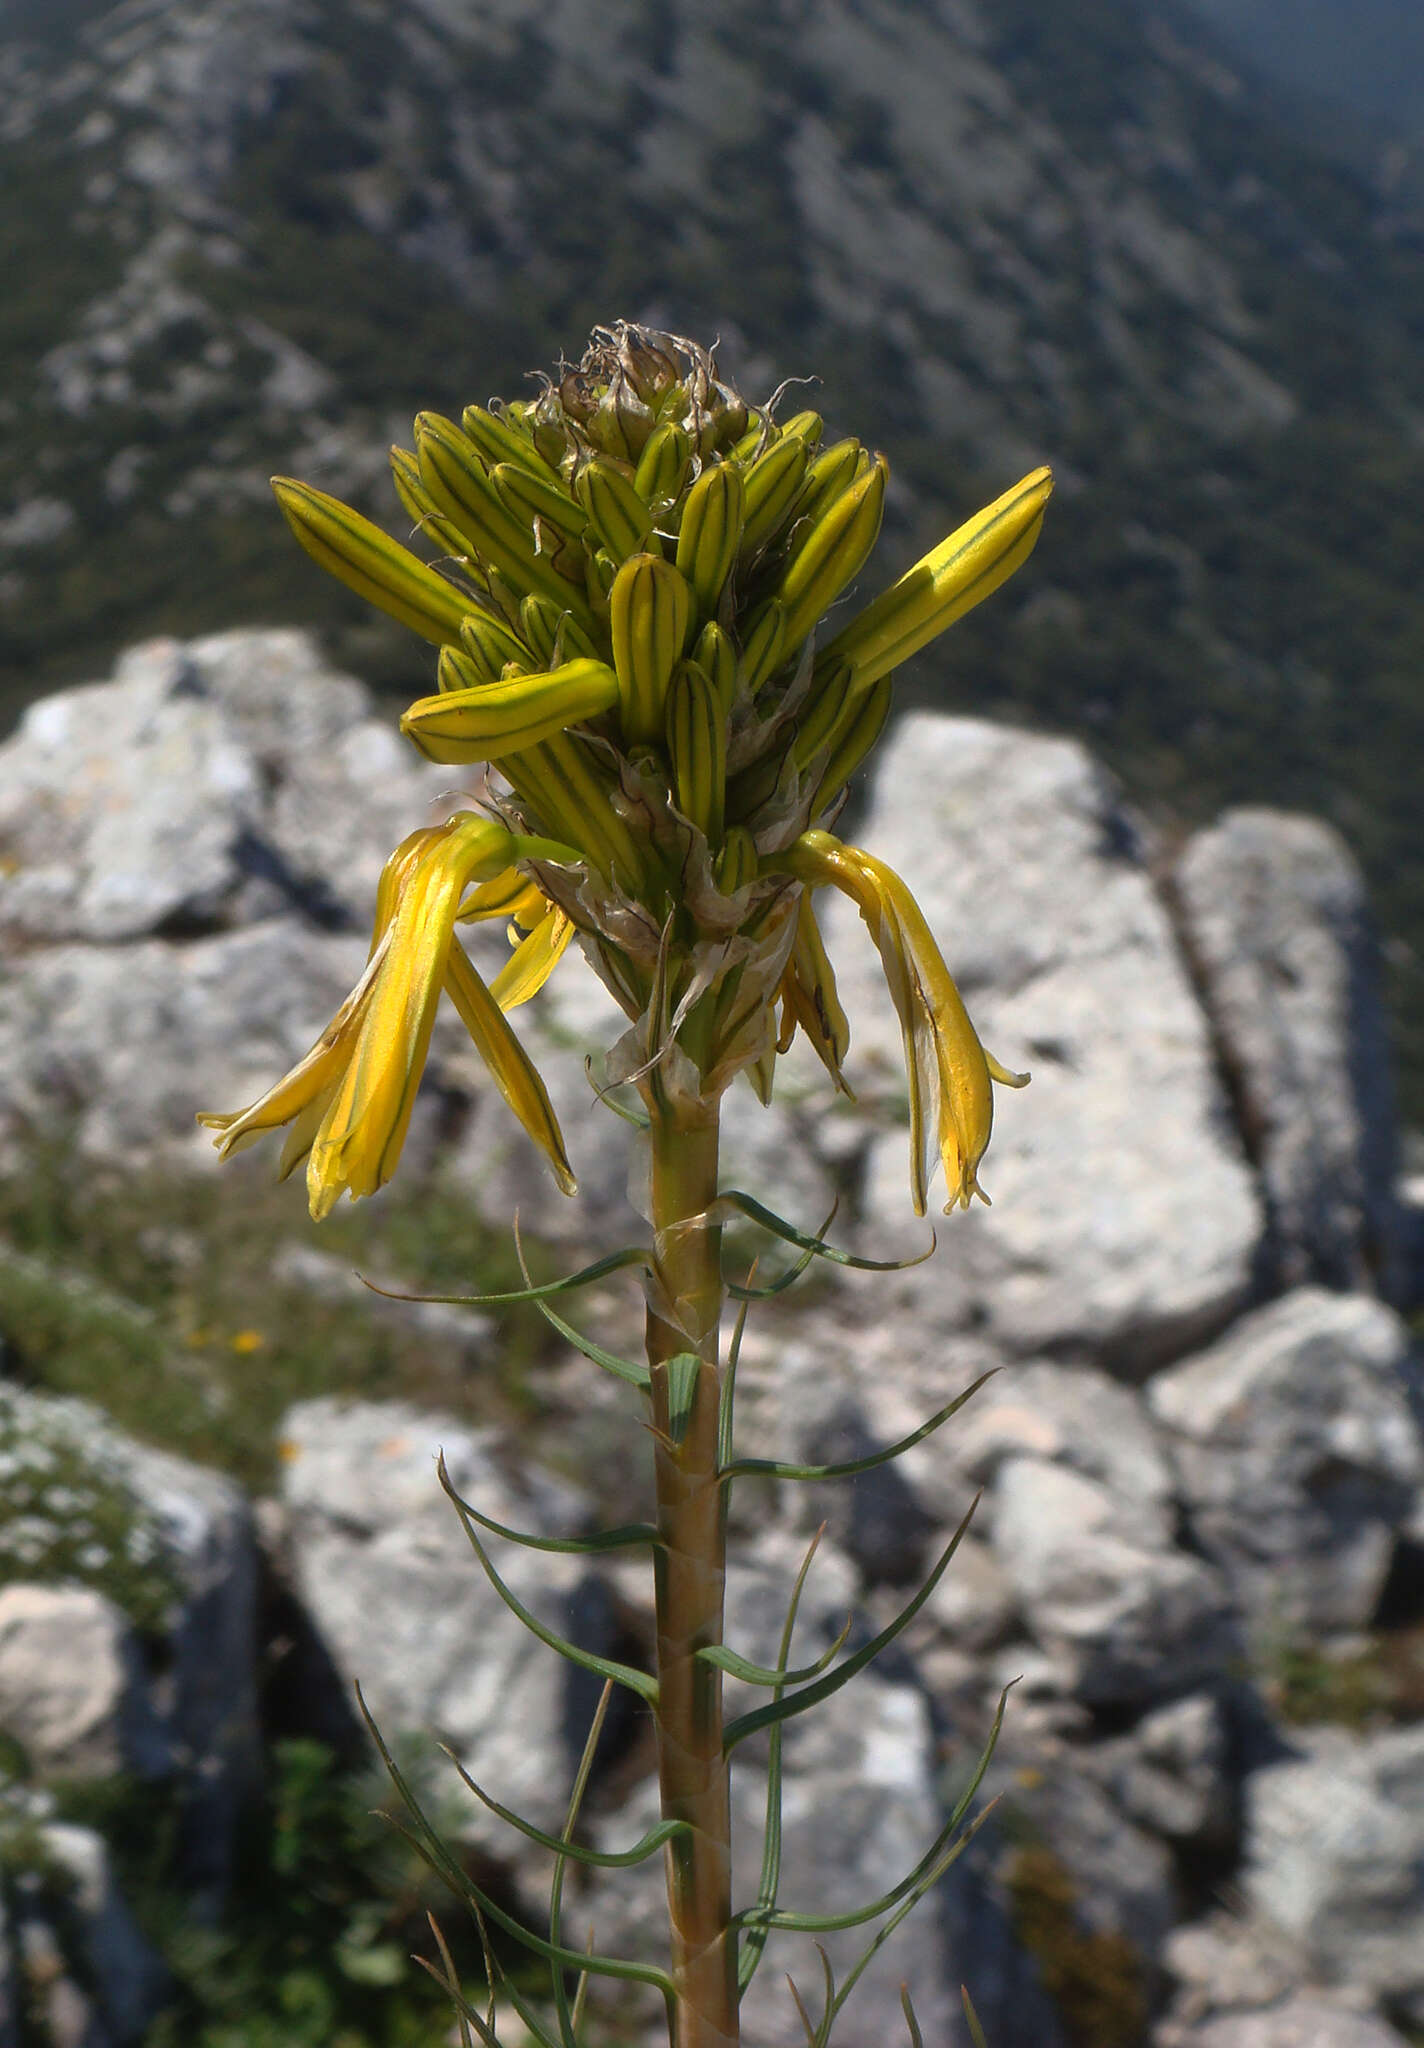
(1334,1846)
(400,1604)
(1133,1619)
(192,1711)
(1298,1456)
(1126,1221)
(73,1687)
(1277,924)
(208,783)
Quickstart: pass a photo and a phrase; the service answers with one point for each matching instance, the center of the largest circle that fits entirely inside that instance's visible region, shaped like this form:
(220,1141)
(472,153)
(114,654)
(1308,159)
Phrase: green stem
(684,1314)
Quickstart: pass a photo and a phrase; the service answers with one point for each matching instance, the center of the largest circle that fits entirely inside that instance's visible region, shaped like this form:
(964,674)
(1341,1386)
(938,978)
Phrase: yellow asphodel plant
(627,576)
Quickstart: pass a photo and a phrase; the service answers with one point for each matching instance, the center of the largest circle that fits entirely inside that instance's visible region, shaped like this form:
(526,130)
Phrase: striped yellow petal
(495,719)
(369,562)
(950,580)
(533,960)
(513,1072)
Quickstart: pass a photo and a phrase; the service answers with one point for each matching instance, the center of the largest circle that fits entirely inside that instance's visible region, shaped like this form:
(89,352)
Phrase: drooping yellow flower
(948,1070)
(349,1102)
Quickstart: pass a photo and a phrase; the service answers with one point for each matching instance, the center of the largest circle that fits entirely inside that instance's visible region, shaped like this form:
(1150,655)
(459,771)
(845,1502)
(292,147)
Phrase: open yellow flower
(949,1072)
(348,1103)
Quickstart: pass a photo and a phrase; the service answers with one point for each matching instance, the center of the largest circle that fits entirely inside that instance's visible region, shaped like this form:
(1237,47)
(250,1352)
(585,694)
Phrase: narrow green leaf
(753,1944)
(427,1838)
(683,1372)
(757,1211)
(635,1117)
(634,1371)
(773,1468)
(917,2039)
(577,1546)
(596,1859)
(562,2010)
(615,1262)
(729,1379)
(737,1666)
(823,1688)
(640,1682)
(976,2032)
(465,2013)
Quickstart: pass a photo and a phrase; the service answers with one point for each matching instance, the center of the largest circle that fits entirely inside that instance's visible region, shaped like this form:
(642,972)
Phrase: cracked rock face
(1126,1220)
(1275,916)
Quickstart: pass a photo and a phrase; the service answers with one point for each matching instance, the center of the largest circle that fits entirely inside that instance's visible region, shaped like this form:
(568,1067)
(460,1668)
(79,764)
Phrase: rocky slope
(1202,1459)
(258,236)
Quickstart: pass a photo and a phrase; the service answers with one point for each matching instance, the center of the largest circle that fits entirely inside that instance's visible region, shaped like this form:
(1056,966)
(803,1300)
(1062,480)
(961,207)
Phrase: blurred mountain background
(1179,255)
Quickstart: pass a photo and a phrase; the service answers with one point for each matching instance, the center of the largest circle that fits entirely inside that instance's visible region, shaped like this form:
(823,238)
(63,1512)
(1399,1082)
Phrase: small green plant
(66,1519)
(631,571)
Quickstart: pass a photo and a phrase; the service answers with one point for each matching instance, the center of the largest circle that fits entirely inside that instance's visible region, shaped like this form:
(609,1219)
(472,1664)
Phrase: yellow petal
(361,1136)
(369,562)
(514,1073)
(950,580)
(533,960)
(495,719)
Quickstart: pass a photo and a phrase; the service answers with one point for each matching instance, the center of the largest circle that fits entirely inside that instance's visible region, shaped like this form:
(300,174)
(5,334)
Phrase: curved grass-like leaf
(624,1538)
(737,1666)
(562,2009)
(729,1378)
(933,1861)
(634,1371)
(774,1468)
(976,2032)
(822,1689)
(615,1262)
(883,1934)
(640,1682)
(630,1370)
(757,1212)
(596,1859)
(753,1945)
(917,2039)
(635,1117)
(425,1838)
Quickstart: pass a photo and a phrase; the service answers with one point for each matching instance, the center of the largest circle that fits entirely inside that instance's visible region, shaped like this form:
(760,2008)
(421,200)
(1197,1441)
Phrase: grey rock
(401,1605)
(1303,2022)
(1076,1416)
(1170,1773)
(1334,1844)
(125,1044)
(73,1688)
(205,1699)
(126,1978)
(1135,1619)
(1226,1962)
(1125,1219)
(1298,1456)
(209,782)
(1275,915)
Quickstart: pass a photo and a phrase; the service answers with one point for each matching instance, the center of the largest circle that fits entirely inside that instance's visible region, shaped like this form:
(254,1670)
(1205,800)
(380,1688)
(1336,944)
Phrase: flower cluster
(631,568)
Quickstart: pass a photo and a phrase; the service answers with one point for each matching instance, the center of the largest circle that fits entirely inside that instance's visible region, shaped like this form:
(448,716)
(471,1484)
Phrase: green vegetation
(1381,1681)
(112,1289)
(1095,1979)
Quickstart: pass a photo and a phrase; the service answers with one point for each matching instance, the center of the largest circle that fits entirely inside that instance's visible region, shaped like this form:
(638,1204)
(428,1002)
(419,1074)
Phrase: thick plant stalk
(684,1315)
